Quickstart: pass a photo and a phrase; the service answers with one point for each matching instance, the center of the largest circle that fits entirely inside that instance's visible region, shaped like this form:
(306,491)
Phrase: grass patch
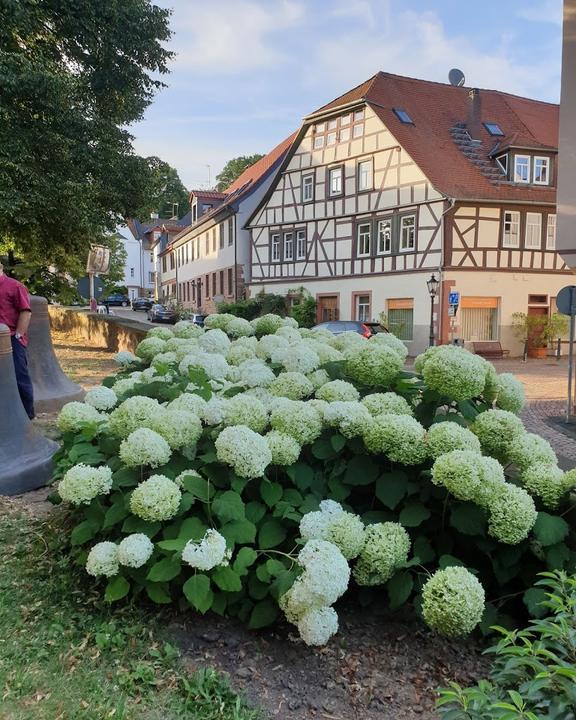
(65,654)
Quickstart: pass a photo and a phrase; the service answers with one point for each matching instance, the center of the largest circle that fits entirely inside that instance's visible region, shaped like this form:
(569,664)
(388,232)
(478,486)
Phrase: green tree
(73,76)
(234,168)
(165,193)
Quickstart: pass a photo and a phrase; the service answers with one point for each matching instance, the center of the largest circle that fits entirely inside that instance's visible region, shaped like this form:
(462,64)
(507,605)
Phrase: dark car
(198,319)
(367,329)
(116,299)
(142,303)
(162,314)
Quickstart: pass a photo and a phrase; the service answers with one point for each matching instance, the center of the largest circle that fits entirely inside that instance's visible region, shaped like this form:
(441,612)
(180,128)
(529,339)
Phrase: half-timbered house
(402,178)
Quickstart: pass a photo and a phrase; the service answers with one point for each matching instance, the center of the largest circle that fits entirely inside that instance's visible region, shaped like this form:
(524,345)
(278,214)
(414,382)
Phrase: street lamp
(433,286)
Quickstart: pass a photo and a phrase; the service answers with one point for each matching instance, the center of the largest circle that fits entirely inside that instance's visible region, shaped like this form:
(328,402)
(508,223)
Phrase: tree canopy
(234,168)
(167,195)
(72,77)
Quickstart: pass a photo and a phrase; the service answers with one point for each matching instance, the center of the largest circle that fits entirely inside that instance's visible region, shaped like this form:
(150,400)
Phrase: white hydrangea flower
(103,560)
(373,364)
(134,413)
(179,428)
(347,532)
(458,471)
(400,437)
(124,357)
(313,525)
(512,514)
(237,354)
(298,419)
(186,329)
(101,397)
(244,450)
(444,437)
(239,327)
(291,385)
(455,373)
(491,479)
(326,574)
(337,390)
(164,358)
(190,402)
(263,395)
(510,395)
(386,548)
(149,347)
(155,499)
(290,322)
(255,373)
(423,358)
(214,341)
(82,483)
(135,550)
(213,413)
(245,410)
(351,418)
(188,347)
(318,625)
(349,340)
(176,343)
(208,553)
(268,324)
(214,365)
(497,430)
(160,332)
(391,341)
(529,449)
(75,416)
(296,358)
(144,447)
(545,481)
(284,448)
(388,403)
(452,601)
(289,333)
(124,385)
(318,378)
(269,344)
(325,352)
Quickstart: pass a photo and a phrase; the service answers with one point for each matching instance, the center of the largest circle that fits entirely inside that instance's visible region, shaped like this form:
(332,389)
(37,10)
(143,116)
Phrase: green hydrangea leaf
(322,449)
(468,518)
(246,557)
(445,561)
(301,475)
(117,588)
(338,442)
(134,524)
(399,589)
(175,545)
(557,556)
(414,514)
(264,613)
(271,534)
(391,488)
(126,477)
(255,511)
(115,513)
(83,532)
(198,593)
(192,529)
(165,570)
(270,492)
(227,579)
(423,550)
(533,599)
(550,529)
(158,593)
(229,506)
(198,486)
(361,470)
(239,531)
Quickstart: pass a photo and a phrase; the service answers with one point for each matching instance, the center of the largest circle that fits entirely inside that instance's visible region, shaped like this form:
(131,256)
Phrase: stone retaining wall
(103,331)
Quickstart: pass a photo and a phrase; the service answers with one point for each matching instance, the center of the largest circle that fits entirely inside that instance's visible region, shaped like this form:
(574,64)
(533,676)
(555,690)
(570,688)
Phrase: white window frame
(359,114)
(533,231)
(551,236)
(358,130)
(331,176)
(320,127)
(502,161)
(528,168)
(362,308)
(300,244)
(511,218)
(546,163)
(344,135)
(289,246)
(411,228)
(332,124)
(346,119)
(275,247)
(318,142)
(381,248)
(331,137)
(362,237)
(307,185)
(369,175)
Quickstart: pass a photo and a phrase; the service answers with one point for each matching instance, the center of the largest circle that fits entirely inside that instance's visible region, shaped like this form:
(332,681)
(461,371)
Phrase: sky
(245,72)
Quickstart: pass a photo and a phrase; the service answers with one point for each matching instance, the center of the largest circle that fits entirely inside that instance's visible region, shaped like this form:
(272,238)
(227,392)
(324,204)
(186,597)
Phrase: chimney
(474,119)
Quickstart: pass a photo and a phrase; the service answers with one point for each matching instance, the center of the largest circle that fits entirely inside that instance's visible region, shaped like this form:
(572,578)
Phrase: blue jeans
(23,376)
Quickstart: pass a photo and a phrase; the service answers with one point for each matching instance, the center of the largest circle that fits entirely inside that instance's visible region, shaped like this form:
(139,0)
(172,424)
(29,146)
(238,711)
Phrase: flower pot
(538,352)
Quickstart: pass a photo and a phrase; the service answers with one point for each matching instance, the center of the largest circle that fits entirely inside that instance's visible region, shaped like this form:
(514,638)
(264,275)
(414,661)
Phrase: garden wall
(103,331)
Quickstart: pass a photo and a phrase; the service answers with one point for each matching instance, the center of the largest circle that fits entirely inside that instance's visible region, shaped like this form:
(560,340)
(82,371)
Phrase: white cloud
(228,37)
(547,11)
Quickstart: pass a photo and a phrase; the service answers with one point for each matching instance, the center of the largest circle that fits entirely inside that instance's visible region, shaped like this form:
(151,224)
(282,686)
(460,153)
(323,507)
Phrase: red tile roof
(438,108)
(208,194)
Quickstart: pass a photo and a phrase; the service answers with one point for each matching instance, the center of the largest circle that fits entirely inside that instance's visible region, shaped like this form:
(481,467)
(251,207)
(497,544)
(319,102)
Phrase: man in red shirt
(15,312)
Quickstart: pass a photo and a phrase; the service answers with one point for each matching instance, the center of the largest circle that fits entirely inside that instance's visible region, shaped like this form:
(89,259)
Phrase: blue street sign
(84,287)
(566,300)
(454,298)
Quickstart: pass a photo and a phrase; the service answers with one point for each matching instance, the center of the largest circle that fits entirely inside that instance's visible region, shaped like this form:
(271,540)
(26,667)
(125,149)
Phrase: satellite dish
(456,77)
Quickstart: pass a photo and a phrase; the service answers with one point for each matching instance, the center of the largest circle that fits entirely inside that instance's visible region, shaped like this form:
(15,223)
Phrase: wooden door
(327,308)
(534,334)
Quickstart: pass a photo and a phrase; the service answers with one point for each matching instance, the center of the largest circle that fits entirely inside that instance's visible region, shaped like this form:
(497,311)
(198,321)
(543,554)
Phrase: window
(207,242)
(502,161)
(131,272)
(365,175)
(221,235)
(207,285)
(335,180)
(401,317)
(213,284)
(384,236)
(221,282)
(407,233)
(551,232)
(346,119)
(301,245)
(206,207)
(345,134)
(479,318)
(275,241)
(358,114)
(289,246)
(364,232)
(511,235)
(537,299)
(331,138)
(151,277)
(230,282)
(493,129)
(541,170)
(320,127)
(332,124)
(213,239)
(164,258)
(172,264)
(362,307)
(318,142)
(522,168)
(533,238)
(403,116)
(358,130)
(194,212)
(230,231)
(308,188)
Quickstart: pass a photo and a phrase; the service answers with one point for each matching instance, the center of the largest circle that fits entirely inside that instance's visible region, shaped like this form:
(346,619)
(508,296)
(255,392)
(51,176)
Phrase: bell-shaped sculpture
(25,454)
(52,388)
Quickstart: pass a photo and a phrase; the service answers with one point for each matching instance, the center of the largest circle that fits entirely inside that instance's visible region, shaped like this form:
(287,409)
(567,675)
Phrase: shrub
(237,466)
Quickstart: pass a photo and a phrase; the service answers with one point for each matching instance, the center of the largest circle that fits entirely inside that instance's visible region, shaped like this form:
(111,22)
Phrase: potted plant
(536,331)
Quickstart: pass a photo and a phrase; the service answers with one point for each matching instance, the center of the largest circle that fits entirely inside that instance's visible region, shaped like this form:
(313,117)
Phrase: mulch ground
(378,667)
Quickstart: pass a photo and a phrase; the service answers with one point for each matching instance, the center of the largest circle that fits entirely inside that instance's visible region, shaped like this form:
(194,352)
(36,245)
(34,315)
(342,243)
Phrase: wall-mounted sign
(454,298)
(98,260)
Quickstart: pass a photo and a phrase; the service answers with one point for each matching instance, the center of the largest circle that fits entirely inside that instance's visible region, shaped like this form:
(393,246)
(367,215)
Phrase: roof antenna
(456,77)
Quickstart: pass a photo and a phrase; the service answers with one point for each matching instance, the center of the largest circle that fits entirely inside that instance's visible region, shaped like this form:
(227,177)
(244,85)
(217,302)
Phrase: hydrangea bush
(257,469)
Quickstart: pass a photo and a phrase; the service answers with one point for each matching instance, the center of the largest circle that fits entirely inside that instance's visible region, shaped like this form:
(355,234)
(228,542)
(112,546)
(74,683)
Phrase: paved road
(130,314)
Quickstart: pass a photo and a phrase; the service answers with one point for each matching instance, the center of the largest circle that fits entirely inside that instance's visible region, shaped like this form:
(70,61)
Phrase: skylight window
(403,116)
(494,129)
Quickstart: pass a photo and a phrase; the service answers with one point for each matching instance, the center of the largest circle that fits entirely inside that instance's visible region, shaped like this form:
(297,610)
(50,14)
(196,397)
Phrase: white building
(139,267)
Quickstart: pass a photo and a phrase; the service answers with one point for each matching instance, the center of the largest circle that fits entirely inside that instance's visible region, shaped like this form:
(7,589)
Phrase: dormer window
(502,161)
(403,116)
(493,129)
(522,168)
(542,171)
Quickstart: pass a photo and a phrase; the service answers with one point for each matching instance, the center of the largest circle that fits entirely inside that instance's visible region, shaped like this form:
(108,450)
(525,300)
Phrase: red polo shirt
(13,299)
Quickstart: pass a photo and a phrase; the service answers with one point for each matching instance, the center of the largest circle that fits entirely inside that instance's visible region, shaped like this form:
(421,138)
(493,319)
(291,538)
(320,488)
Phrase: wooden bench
(491,350)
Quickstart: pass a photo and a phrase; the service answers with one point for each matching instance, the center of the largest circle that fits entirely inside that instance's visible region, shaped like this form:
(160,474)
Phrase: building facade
(400,179)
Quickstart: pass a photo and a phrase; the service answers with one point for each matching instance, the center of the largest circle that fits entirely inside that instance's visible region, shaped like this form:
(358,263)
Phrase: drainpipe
(451,202)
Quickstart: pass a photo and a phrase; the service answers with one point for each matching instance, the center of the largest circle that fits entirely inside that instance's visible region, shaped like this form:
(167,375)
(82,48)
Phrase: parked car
(162,314)
(142,303)
(198,319)
(367,329)
(116,299)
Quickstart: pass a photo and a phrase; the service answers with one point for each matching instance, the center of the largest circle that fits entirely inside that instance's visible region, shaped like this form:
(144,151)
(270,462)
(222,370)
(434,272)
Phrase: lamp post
(433,285)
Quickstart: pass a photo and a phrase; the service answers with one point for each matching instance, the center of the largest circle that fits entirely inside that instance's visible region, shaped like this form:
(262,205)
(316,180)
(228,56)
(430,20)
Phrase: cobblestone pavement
(546,386)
